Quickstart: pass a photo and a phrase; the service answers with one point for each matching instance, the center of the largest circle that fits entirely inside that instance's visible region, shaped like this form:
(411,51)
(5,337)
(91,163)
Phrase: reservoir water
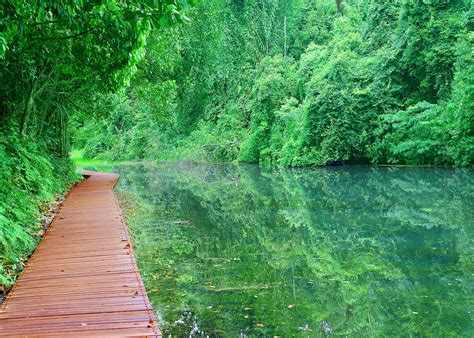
(243,251)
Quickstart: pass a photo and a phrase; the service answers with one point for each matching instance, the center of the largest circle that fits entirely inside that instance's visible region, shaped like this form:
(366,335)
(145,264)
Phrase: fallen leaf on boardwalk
(83,324)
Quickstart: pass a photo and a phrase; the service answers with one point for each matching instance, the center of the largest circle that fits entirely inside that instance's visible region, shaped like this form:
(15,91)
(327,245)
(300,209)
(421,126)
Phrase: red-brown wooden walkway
(82,279)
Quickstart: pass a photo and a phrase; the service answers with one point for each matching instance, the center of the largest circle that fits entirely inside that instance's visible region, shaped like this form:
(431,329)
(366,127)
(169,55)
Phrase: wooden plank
(82,279)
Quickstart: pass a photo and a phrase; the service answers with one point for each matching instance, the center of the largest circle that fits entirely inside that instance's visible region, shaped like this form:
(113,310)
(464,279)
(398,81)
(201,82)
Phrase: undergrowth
(30,180)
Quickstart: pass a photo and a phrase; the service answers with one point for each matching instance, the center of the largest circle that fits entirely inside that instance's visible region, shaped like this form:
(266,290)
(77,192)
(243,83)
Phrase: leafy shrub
(412,136)
(300,83)
(29,179)
(427,133)
(273,83)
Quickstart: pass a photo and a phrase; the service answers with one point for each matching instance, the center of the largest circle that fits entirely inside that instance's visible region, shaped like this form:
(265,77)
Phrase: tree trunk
(338,6)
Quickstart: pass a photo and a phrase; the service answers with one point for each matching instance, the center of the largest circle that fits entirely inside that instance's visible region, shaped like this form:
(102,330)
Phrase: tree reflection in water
(241,250)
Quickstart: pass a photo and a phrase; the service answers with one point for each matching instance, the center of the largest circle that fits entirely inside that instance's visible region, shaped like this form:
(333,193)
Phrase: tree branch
(66,37)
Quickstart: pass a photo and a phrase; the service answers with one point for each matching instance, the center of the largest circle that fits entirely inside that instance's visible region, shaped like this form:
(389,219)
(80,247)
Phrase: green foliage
(29,179)
(460,107)
(433,133)
(414,135)
(274,82)
(57,52)
(336,99)
(301,82)
(55,56)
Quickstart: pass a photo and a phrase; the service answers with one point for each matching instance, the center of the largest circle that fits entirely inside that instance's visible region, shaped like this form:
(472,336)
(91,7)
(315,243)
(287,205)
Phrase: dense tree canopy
(299,82)
(276,82)
(51,52)
(55,55)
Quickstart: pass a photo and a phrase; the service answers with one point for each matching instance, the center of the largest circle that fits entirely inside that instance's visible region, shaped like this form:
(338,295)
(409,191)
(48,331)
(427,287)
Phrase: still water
(244,251)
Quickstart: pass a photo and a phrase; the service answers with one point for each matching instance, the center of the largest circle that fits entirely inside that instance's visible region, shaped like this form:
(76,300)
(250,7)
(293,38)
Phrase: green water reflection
(361,251)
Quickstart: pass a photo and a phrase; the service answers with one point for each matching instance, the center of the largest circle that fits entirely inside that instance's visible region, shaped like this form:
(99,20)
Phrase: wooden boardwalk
(82,279)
